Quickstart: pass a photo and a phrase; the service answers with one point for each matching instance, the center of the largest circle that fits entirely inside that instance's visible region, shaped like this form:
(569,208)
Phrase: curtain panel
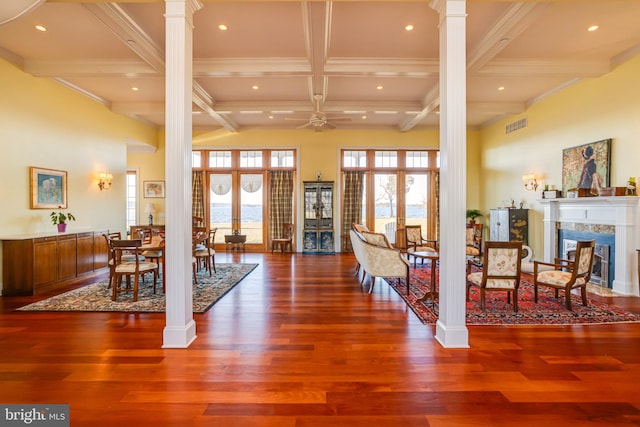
(281,206)
(197,193)
(352,203)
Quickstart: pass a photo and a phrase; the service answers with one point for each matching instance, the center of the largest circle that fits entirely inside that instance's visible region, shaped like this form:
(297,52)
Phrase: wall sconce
(150,209)
(104,181)
(530,182)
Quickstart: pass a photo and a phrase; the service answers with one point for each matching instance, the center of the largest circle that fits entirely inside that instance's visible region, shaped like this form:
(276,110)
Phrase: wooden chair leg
(567,297)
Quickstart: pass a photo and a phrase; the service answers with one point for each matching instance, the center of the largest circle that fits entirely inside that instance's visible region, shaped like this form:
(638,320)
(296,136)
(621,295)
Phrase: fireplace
(600,270)
(614,219)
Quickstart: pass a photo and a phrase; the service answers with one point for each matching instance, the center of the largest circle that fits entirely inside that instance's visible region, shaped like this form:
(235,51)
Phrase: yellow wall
(46,125)
(318,151)
(589,111)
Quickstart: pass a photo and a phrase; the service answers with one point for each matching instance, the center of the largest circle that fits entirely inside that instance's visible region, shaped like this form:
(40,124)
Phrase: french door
(236,204)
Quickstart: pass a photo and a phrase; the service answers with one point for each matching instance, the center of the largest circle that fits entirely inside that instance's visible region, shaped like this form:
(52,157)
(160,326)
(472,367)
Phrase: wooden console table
(235,241)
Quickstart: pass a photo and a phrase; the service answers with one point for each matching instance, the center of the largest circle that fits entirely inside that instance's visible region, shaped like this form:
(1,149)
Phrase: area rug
(548,310)
(97,297)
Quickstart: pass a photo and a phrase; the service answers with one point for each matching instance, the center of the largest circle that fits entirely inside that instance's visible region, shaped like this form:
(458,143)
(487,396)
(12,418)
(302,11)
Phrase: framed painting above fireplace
(587,166)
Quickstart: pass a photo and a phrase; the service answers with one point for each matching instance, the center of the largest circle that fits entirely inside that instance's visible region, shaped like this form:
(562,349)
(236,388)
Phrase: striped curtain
(352,203)
(197,194)
(281,209)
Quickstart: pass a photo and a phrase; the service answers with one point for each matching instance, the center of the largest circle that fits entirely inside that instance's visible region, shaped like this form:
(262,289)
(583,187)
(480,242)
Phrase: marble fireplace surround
(598,213)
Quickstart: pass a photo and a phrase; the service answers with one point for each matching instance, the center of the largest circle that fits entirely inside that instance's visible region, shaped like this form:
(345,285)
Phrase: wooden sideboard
(33,265)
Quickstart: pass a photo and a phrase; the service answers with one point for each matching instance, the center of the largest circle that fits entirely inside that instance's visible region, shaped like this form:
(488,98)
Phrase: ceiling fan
(319,120)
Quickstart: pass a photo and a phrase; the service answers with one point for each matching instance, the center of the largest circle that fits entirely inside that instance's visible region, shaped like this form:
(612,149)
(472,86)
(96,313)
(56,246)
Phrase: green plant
(61,217)
(472,214)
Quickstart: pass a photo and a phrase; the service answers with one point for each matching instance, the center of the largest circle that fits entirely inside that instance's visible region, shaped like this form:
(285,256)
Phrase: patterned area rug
(97,297)
(548,310)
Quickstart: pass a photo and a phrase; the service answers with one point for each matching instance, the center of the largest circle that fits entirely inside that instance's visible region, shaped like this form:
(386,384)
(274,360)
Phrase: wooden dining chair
(285,240)
(135,269)
(205,252)
(146,236)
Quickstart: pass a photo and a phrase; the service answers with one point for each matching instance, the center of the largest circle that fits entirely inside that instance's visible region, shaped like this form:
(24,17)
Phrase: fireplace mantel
(621,212)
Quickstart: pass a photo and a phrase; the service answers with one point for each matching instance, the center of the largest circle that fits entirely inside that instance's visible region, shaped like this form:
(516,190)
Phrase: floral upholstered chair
(500,271)
(567,274)
(416,243)
(474,240)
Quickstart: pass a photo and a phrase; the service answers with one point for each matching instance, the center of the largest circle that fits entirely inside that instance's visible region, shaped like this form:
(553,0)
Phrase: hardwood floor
(298,343)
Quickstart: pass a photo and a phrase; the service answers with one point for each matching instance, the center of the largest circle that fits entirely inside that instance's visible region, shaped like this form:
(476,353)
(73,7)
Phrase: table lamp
(150,209)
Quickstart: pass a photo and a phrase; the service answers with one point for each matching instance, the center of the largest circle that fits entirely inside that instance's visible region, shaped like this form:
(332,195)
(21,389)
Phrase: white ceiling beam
(228,67)
(546,67)
(516,19)
(88,68)
(126,28)
(382,66)
(202,99)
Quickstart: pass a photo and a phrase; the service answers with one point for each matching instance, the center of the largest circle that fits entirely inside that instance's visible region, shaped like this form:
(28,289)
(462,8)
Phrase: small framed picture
(48,188)
(153,189)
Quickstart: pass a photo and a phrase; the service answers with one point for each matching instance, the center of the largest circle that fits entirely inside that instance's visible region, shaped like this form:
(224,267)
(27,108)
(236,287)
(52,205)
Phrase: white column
(550,223)
(451,330)
(180,329)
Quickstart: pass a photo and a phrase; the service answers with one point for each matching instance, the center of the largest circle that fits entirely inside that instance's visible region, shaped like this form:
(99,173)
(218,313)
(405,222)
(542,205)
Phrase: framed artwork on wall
(48,188)
(587,166)
(153,189)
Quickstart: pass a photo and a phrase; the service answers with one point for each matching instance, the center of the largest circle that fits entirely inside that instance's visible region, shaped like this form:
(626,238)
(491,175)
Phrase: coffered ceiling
(263,71)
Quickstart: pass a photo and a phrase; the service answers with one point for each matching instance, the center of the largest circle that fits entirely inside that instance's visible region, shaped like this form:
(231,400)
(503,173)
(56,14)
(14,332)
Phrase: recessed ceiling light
(135,89)
(271,117)
(41,28)
(501,88)
(593,28)
(255,87)
(223,27)
(364,117)
(379,87)
(409,27)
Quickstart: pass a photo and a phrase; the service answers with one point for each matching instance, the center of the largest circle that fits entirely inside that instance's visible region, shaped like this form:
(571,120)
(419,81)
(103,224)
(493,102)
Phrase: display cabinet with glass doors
(318,233)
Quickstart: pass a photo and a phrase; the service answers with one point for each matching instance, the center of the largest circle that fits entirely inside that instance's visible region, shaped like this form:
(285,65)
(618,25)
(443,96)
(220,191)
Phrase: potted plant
(60,219)
(472,214)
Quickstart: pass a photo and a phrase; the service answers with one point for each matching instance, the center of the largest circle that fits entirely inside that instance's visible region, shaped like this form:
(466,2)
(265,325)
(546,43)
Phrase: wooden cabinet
(509,224)
(84,254)
(318,233)
(45,260)
(100,250)
(67,260)
(35,265)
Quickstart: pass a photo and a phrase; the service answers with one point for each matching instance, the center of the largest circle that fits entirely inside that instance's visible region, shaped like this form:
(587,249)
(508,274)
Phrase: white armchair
(379,261)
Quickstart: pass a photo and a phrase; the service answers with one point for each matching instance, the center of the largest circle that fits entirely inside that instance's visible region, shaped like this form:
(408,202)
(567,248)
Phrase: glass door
(236,205)
(251,207)
(221,205)
(416,200)
(386,204)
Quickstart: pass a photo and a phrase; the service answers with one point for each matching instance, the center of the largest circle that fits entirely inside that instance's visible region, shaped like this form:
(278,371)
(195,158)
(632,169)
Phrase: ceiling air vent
(517,125)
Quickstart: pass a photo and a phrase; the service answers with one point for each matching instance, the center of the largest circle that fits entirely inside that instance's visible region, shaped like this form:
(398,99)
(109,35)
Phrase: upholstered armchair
(566,274)
(379,261)
(500,271)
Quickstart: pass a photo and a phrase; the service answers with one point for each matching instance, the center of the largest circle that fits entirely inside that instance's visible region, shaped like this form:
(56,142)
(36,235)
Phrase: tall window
(400,187)
(132,197)
(238,197)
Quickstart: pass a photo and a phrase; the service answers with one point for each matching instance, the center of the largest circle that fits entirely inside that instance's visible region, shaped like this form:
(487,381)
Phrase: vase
(62,228)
